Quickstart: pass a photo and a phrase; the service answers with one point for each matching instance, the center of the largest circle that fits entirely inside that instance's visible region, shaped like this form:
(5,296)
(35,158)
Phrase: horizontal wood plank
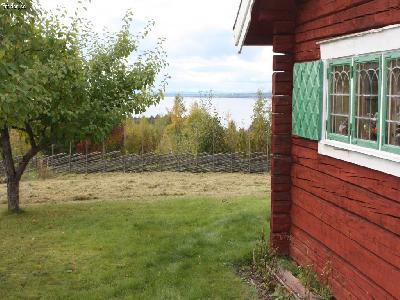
(384,274)
(377,240)
(334,268)
(376,182)
(354,199)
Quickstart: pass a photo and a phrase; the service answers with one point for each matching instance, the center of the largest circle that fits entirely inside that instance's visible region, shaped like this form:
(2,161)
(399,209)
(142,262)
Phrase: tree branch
(18,128)
(29,131)
(25,161)
(33,50)
(30,154)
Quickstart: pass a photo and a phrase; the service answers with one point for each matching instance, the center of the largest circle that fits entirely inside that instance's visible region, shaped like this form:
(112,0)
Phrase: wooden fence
(116,162)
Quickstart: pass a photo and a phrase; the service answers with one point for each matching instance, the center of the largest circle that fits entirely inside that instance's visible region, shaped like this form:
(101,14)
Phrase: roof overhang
(242,22)
(255,20)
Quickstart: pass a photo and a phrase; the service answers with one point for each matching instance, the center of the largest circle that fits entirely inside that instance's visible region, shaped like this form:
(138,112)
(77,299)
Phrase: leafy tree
(60,82)
(160,124)
(133,136)
(172,137)
(243,136)
(147,137)
(231,137)
(114,140)
(203,131)
(260,129)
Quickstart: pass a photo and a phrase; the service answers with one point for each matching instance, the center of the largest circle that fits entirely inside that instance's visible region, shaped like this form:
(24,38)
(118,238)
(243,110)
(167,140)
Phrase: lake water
(240,109)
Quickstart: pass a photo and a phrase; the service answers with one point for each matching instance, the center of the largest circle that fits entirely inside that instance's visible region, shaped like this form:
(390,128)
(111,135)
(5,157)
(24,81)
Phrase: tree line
(197,129)
(194,129)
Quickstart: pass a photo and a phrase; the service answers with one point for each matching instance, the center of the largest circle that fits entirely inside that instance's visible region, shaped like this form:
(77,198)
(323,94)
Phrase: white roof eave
(242,23)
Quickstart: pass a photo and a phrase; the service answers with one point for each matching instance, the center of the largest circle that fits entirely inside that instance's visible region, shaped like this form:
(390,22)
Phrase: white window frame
(385,39)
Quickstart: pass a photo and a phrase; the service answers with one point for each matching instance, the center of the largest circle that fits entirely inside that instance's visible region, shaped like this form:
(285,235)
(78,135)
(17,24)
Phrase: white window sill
(377,160)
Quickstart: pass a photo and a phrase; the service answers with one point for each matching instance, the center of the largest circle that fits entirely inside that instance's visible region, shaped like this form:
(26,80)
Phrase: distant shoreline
(218,95)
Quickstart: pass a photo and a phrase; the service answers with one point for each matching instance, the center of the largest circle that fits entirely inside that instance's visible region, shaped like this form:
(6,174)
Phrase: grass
(148,247)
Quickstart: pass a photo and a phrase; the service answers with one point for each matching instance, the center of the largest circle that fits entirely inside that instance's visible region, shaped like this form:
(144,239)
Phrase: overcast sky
(199,41)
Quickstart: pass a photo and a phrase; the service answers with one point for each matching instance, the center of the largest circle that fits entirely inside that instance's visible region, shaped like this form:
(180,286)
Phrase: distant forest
(218,95)
(195,129)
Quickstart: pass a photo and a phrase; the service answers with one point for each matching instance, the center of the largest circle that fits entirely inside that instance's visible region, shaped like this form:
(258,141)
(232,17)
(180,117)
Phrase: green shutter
(307,99)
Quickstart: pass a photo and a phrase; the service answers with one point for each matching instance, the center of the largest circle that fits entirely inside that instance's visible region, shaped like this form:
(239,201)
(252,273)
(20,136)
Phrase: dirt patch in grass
(118,186)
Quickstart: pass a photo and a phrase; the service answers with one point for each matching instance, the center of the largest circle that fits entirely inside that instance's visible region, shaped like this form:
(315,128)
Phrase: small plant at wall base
(61,82)
(310,281)
(267,265)
(265,262)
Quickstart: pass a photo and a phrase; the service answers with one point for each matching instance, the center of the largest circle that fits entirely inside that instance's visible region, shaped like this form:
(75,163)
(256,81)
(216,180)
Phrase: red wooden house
(336,136)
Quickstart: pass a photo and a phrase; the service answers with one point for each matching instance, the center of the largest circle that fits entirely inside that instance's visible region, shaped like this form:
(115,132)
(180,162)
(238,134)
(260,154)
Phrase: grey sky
(199,41)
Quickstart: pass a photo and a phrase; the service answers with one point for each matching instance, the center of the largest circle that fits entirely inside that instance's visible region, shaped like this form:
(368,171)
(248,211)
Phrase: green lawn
(171,248)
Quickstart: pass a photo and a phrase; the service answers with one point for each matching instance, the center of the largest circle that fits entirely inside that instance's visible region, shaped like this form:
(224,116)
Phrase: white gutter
(242,22)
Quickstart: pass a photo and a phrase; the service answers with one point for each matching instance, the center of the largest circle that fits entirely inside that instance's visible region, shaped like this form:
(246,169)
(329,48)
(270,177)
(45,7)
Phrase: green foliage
(144,134)
(260,129)
(172,136)
(19,142)
(280,293)
(308,278)
(265,263)
(231,137)
(310,281)
(244,140)
(203,131)
(165,248)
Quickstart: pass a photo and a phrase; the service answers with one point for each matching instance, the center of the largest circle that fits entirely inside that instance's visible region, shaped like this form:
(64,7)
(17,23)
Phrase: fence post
(123,158)
(213,149)
(69,159)
(104,157)
(141,157)
(86,157)
(52,154)
(142,134)
(249,154)
(213,162)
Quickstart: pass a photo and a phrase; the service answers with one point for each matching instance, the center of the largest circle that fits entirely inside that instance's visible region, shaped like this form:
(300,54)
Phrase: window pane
(339,125)
(366,106)
(340,99)
(393,105)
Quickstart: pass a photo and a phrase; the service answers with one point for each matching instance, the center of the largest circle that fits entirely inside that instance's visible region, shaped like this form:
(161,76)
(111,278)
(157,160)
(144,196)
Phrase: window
(392,104)
(357,111)
(366,102)
(360,107)
(339,100)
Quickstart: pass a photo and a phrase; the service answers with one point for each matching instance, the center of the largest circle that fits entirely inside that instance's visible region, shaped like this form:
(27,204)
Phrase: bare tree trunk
(14,173)
(9,167)
(13,194)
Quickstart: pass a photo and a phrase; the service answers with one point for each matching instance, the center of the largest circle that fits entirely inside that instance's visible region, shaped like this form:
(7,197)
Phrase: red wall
(317,20)
(344,218)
